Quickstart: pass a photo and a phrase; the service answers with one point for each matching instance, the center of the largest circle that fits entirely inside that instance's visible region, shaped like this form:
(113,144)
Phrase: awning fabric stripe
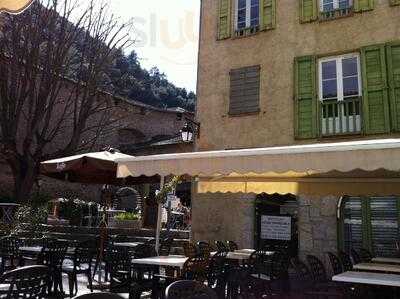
(367,155)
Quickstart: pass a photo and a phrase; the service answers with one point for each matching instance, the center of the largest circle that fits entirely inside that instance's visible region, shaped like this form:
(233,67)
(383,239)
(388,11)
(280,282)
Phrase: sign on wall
(276,227)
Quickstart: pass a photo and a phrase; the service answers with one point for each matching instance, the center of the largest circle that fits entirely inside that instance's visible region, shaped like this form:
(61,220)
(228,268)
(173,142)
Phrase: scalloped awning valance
(307,159)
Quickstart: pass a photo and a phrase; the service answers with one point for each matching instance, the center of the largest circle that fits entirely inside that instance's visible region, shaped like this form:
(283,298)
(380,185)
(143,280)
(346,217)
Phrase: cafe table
(386,260)
(36,250)
(128,244)
(175,261)
(376,267)
(369,278)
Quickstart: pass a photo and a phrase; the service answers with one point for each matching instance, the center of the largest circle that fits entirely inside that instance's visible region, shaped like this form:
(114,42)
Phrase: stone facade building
(284,72)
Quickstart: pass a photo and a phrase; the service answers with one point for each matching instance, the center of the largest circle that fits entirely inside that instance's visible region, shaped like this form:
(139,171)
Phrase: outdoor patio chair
(346,261)
(335,262)
(81,263)
(317,269)
(355,256)
(365,255)
(26,282)
(165,247)
(103,295)
(203,249)
(53,257)
(189,289)
(189,249)
(216,273)
(232,246)
(221,246)
(9,254)
(119,268)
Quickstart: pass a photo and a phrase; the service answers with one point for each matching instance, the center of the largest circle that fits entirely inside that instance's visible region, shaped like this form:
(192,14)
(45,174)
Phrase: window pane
(350,86)
(349,66)
(329,89)
(254,2)
(352,214)
(329,69)
(327,5)
(241,4)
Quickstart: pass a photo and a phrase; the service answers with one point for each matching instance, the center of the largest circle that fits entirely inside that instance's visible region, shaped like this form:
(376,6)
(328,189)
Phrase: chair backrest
(346,261)
(303,278)
(216,267)
(355,256)
(54,254)
(204,249)
(8,246)
(165,247)
(279,265)
(317,268)
(119,266)
(103,295)
(232,246)
(189,249)
(221,246)
(144,250)
(260,262)
(195,269)
(365,255)
(335,262)
(84,252)
(188,289)
(27,282)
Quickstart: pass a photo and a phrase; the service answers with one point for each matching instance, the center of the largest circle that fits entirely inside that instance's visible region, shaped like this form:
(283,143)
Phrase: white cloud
(166,33)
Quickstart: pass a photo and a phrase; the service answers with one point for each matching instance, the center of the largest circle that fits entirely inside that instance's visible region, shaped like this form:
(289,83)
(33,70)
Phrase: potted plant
(127,220)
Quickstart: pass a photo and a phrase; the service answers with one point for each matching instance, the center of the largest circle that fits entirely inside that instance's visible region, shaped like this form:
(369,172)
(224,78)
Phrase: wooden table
(370,278)
(376,267)
(386,260)
(176,261)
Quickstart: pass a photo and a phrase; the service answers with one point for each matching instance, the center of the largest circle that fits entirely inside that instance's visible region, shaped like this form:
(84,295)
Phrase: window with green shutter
(394,2)
(363,5)
(371,223)
(305,97)
(224,19)
(268,14)
(308,10)
(393,66)
(375,90)
(244,90)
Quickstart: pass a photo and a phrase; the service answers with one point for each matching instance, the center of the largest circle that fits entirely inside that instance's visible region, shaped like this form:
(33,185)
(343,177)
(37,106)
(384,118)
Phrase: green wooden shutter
(224,19)
(308,10)
(375,93)
(268,14)
(363,5)
(393,66)
(305,97)
(394,2)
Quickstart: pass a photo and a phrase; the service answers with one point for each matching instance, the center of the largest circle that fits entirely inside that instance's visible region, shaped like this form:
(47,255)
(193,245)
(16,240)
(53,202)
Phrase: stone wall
(223,217)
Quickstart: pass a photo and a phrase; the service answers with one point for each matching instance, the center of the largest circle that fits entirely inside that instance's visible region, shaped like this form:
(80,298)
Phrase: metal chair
(335,262)
(365,255)
(204,249)
(9,254)
(27,282)
(165,247)
(232,246)
(355,256)
(189,249)
(81,263)
(346,261)
(53,256)
(317,269)
(189,289)
(221,246)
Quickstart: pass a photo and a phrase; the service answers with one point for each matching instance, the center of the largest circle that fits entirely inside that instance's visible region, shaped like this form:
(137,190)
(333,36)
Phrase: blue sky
(166,34)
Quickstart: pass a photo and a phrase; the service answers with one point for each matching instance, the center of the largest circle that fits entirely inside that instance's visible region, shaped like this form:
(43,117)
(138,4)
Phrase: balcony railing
(341,118)
(247,31)
(336,13)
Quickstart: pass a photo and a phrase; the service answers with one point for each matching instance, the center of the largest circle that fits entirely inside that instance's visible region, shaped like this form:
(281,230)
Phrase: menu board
(276,227)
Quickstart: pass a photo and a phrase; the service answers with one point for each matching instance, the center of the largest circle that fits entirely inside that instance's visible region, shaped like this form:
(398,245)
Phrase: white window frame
(248,14)
(335,4)
(339,76)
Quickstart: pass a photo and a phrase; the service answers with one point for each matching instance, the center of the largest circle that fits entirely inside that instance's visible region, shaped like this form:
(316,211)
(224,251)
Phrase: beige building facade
(298,72)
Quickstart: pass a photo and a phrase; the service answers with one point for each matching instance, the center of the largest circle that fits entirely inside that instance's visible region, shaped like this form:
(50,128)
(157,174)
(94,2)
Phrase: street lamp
(190,129)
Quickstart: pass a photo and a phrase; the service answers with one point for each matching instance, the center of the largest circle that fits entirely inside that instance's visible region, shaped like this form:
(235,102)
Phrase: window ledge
(247,31)
(336,14)
(239,114)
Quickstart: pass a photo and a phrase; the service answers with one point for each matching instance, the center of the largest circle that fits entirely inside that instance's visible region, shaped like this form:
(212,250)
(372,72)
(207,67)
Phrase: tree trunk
(25,174)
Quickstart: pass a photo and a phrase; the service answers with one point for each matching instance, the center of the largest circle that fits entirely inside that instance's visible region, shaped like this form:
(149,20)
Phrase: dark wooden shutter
(384,218)
(244,90)
(224,19)
(363,5)
(393,66)
(308,10)
(305,97)
(352,217)
(394,2)
(268,14)
(375,90)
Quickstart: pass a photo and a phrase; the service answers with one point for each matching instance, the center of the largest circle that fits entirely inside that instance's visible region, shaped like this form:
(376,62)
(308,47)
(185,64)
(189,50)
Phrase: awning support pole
(159,218)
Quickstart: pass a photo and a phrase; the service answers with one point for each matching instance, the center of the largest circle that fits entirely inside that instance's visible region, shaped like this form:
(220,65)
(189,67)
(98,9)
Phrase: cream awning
(307,160)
